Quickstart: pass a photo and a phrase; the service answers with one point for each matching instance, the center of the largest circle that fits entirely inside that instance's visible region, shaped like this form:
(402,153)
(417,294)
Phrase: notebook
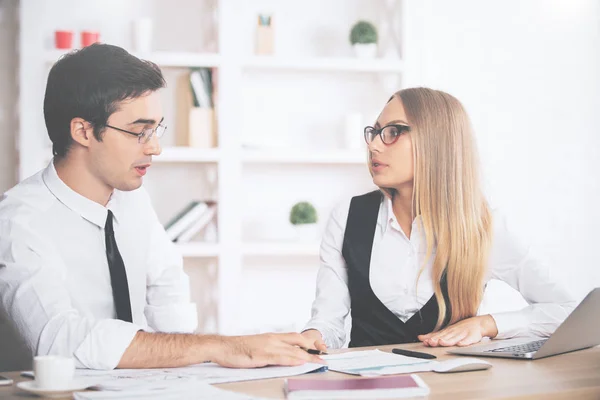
(356,388)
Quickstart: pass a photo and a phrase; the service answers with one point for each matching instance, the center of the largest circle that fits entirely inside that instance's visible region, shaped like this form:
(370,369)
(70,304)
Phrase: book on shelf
(202,222)
(353,388)
(194,217)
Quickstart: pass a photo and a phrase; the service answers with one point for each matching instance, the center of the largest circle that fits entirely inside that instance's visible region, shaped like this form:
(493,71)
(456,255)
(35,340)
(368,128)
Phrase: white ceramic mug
(53,372)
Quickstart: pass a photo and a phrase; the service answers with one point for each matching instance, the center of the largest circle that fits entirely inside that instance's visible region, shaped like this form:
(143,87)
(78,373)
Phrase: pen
(415,354)
(313,351)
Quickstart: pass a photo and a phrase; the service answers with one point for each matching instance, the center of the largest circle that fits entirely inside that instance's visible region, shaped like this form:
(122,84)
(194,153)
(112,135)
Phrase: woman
(411,260)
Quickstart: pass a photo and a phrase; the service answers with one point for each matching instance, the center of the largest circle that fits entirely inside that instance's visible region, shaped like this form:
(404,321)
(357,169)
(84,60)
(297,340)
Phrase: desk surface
(568,376)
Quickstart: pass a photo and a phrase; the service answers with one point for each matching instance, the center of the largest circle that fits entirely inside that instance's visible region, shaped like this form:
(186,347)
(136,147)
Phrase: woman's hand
(316,337)
(463,333)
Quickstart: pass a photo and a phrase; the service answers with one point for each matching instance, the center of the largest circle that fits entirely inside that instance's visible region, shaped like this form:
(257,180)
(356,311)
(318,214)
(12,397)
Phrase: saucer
(74,386)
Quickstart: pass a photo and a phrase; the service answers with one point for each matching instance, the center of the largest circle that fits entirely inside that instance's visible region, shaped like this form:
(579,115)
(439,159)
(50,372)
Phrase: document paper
(374,362)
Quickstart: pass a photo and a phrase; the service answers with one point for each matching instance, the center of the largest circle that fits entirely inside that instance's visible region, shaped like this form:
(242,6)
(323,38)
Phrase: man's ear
(82,131)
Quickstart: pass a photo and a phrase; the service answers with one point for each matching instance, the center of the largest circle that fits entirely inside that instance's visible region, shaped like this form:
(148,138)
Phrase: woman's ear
(81,131)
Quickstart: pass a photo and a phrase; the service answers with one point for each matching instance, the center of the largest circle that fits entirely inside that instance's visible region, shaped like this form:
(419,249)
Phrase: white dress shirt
(55,289)
(396,261)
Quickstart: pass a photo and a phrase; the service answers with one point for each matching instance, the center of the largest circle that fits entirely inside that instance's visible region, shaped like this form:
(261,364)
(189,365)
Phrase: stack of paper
(173,391)
(375,362)
(180,383)
(207,373)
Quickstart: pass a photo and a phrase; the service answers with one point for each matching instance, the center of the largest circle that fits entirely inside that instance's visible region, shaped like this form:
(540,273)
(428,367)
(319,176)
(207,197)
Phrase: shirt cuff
(510,324)
(104,346)
(173,318)
(331,340)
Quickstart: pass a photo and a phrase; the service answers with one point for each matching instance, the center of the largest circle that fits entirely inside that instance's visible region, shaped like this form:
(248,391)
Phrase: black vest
(373,324)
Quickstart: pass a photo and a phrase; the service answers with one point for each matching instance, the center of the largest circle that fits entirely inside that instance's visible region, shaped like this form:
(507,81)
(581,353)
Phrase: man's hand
(463,333)
(262,350)
(316,338)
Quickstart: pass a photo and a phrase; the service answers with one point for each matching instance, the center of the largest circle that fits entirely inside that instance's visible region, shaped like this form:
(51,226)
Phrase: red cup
(89,37)
(63,39)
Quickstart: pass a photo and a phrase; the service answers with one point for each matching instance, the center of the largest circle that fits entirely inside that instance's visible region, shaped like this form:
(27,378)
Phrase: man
(86,269)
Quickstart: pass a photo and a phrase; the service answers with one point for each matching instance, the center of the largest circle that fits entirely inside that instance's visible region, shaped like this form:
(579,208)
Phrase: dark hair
(89,84)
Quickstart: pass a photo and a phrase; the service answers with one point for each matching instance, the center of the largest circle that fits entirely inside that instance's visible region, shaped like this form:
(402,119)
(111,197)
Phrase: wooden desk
(572,376)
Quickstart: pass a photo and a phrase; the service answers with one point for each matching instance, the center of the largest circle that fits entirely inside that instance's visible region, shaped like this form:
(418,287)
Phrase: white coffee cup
(53,372)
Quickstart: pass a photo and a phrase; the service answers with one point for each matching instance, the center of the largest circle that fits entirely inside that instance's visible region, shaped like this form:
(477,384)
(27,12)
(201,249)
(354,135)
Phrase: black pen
(415,354)
(313,351)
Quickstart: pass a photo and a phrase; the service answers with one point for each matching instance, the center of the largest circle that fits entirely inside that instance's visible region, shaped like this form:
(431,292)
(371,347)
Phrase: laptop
(579,331)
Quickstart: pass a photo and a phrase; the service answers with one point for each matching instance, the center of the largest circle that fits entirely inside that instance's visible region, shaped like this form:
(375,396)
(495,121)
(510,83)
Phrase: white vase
(307,232)
(142,35)
(368,50)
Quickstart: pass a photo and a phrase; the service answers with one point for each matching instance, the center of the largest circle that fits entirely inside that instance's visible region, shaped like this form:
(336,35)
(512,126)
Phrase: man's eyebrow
(145,121)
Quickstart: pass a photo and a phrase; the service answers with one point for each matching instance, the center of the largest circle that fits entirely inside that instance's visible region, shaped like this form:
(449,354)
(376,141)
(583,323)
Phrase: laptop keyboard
(522,348)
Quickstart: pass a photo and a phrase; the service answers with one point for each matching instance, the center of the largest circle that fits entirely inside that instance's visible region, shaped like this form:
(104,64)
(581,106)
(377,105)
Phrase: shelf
(188,154)
(208,250)
(304,157)
(325,64)
(281,249)
(201,250)
(161,58)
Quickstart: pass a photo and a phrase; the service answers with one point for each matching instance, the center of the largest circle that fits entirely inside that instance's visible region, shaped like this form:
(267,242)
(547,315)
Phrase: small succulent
(363,32)
(303,213)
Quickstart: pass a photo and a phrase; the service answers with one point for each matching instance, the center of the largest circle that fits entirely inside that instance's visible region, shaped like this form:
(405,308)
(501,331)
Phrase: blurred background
(265,106)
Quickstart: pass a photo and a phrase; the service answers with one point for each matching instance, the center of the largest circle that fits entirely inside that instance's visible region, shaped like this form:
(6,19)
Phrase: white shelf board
(281,249)
(188,154)
(325,64)
(161,58)
(198,249)
(278,156)
(208,250)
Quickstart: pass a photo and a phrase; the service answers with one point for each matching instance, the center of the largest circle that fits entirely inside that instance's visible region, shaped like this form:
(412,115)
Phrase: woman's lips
(377,165)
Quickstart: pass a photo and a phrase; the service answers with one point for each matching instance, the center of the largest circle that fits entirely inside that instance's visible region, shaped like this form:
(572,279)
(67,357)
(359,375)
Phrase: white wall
(528,73)
(8,93)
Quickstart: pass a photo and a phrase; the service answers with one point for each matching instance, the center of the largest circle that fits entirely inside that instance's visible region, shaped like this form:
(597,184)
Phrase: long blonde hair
(447,194)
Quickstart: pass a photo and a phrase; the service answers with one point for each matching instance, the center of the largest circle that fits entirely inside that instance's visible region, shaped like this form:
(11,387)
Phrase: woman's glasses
(389,133)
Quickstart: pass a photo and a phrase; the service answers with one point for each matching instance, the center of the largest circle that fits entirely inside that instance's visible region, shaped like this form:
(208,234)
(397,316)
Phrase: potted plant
(363,38)
(303,217)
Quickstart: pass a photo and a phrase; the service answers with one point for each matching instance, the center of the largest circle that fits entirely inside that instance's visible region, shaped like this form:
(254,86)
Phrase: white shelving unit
(235,166)
(324,64)
(303,157)
(281,249)
(274,156)
(257,249)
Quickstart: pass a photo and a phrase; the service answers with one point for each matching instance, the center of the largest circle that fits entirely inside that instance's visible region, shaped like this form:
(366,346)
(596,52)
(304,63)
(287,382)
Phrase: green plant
(303,213)
(363,32)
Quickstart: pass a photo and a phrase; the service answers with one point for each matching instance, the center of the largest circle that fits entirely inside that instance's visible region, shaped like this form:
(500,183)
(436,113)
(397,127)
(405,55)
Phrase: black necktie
(118,277)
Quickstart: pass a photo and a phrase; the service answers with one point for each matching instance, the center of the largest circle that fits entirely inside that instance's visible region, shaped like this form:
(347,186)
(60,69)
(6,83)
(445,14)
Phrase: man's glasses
(389,133)
(147,134)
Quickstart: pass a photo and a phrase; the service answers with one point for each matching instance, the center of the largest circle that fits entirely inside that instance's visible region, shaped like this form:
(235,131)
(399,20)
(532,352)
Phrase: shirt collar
(86,208)
(387,216)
